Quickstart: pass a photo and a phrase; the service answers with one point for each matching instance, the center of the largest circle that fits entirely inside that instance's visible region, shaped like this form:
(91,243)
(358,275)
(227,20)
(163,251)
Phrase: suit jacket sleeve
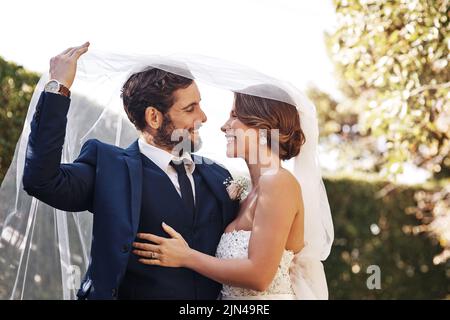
(68,187)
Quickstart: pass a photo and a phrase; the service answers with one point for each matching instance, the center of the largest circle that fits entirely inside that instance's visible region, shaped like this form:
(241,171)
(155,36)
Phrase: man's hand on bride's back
(63,67)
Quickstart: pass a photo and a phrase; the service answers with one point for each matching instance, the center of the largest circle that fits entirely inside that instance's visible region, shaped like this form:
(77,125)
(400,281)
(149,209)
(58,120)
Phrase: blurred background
(377,71)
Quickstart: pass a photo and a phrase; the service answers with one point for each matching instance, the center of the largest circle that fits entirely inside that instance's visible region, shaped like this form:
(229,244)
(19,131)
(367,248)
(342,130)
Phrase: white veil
(45,251)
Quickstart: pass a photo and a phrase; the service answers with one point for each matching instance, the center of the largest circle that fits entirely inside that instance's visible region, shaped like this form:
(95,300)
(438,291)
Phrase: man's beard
(168,136)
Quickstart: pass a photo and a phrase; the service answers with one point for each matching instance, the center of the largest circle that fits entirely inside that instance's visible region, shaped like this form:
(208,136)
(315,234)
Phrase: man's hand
(64,66)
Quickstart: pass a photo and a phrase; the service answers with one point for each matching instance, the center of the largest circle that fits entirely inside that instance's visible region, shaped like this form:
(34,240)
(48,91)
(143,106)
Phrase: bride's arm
(275,211)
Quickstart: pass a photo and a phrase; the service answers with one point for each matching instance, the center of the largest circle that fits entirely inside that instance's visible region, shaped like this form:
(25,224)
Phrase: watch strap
(64,90)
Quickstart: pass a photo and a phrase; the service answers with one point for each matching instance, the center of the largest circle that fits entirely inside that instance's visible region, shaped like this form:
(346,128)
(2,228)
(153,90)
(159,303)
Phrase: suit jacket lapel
(215,183)
(134,163)
(212,179)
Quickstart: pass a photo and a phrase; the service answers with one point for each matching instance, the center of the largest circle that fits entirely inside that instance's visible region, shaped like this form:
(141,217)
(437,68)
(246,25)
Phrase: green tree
(333,116)
(392,61)
(371,228)
(16,89)
(391,58)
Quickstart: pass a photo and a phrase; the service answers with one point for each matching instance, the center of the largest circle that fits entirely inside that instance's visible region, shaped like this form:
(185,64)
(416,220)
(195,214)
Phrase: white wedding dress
(234,245)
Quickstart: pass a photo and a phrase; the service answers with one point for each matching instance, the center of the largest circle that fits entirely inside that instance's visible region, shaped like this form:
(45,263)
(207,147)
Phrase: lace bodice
(234,245)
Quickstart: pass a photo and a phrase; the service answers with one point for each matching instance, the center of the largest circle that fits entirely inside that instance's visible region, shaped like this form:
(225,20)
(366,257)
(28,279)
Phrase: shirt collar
(162,158)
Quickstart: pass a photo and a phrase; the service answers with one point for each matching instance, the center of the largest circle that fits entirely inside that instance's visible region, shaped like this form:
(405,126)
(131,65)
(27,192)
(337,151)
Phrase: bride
(255,253)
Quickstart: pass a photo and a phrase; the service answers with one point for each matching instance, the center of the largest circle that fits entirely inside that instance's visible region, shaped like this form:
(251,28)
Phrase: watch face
(52,86)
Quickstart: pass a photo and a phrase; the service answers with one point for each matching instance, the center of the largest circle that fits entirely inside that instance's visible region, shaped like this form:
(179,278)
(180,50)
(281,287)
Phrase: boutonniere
(238,188)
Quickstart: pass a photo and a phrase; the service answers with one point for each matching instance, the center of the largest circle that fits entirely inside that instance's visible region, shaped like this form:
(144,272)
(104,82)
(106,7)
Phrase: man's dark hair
(152,87)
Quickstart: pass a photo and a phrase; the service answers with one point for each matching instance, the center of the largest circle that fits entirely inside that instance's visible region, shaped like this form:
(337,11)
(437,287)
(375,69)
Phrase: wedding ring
(153,255)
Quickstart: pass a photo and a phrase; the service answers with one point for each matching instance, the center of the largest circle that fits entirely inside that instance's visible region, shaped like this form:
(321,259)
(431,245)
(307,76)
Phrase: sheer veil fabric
(45,251)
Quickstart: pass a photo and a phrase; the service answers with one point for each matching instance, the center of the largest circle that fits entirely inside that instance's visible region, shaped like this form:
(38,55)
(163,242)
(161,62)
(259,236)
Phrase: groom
(132,190)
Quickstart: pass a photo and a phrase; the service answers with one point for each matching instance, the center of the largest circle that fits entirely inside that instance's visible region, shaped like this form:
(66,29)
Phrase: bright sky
(283,38)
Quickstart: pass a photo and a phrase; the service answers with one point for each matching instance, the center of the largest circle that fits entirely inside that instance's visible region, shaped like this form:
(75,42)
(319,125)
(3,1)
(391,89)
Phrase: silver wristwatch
(54,86)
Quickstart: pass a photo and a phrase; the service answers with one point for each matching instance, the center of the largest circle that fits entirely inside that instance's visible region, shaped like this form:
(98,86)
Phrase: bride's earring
(262,138)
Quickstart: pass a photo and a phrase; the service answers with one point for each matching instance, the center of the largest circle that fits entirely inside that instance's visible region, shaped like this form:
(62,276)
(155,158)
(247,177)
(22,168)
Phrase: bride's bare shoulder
(279,181)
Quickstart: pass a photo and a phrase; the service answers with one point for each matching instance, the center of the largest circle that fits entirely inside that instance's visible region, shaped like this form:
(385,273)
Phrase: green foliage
(16,88)
(374,228)
(392,60)
(333,116)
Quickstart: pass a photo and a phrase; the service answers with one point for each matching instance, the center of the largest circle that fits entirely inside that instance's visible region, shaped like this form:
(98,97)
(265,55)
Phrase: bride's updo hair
(264,113)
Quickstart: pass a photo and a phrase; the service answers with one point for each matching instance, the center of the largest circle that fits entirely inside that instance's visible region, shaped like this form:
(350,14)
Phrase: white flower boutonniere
(237,188)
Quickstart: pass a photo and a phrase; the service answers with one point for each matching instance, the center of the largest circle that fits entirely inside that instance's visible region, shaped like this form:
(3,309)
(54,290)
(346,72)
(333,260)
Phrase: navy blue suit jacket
(105,180)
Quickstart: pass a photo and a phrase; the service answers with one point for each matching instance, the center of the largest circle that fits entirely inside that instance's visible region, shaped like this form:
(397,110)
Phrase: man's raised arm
(64,186)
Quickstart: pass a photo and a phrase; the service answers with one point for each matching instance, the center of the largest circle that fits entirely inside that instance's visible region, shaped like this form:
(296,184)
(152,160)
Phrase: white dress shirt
(162,159)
